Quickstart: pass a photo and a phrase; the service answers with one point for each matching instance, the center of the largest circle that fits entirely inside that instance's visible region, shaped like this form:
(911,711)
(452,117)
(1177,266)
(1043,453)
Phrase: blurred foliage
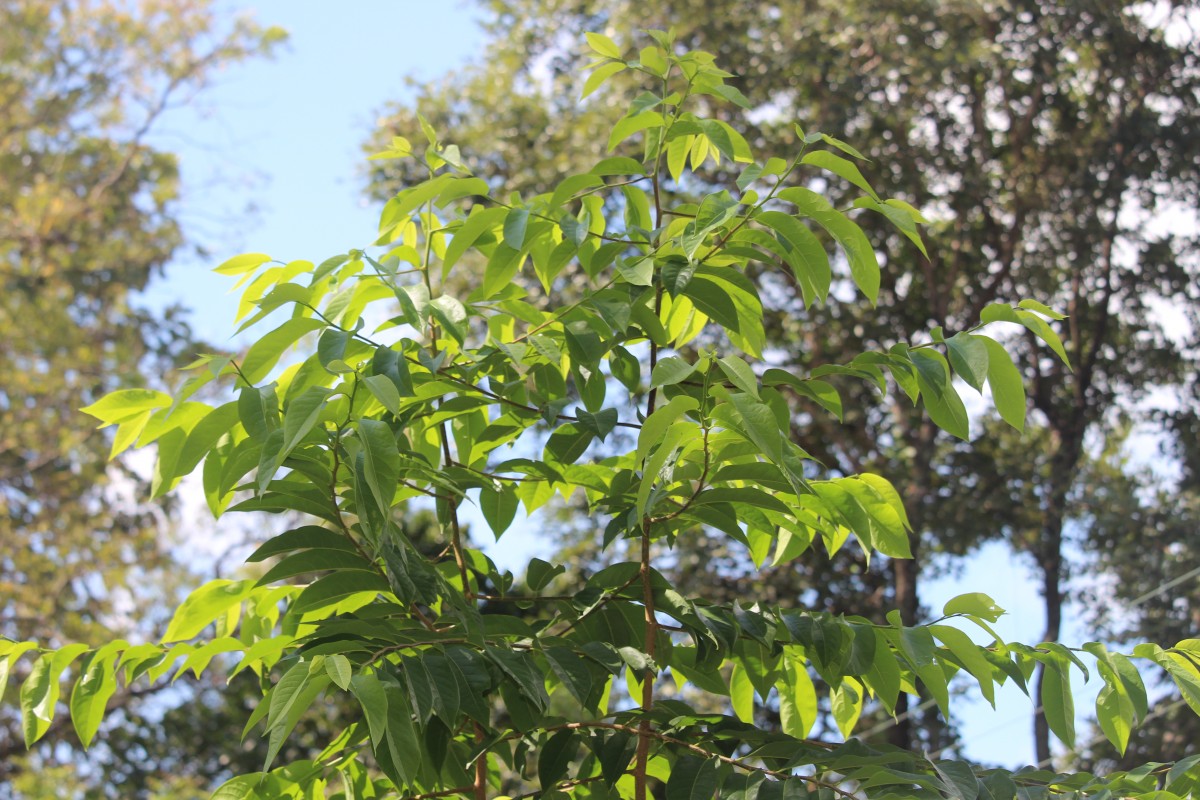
(1147,585)
(90,218)
(1054,145)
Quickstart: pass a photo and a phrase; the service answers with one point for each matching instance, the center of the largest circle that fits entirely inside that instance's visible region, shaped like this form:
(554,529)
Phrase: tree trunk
(905,572)
(904,577)
(1050,562)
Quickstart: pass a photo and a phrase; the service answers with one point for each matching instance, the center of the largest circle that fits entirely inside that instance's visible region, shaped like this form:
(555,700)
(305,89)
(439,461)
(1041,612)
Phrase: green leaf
(516,221)
(693,778)
(251,786)
(969,358)
(40,691)
(1043,331)
(410,576)
(258,411)
(864,265)
(741,693)
(499,507)
(971,656)
(369,691)
(246,262)
(125,405)
(622,165)
(669,371)
(714,302)
(398,210)
(203,606)
(540,573)
(481,221)
(384,390)
(819,391)
(1042,309)
(975,604)
(918,646)
(10,652)
(1058,704)
(663,417)
(901,215)
(715,211)
(957,779)
(1004,379)
(519,668)
(846,702)
(938,395)
(628,126)
(382,461)
(636,271)
(740,375)
(308,561)
(806,255)
(302,538)
(451,314)
(337,666)
(571,669)
(797,699)
(264,354)
(884,675)
(599,75)
(755,420)
(92,691)
(301,416)
(602,45)
(840,167)
(555,757)
(335,587)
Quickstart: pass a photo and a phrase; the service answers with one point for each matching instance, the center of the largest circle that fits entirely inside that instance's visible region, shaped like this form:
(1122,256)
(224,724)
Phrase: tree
(508,397)
(90,218)
(1042,138)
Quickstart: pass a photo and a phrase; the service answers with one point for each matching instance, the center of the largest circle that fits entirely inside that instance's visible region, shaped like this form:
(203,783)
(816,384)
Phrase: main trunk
(1050,563)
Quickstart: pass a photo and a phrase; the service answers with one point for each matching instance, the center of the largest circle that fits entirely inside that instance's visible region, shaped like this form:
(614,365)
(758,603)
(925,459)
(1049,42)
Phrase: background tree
(90,218)
(1044,140)
(1148,584)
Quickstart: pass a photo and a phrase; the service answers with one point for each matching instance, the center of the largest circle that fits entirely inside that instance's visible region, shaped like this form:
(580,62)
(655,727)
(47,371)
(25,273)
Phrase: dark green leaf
(693,778)
(499,507)
(336,587)
(556,757)
(540,573)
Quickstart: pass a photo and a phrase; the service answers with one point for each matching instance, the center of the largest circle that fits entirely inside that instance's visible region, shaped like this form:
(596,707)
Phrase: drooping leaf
(203,606)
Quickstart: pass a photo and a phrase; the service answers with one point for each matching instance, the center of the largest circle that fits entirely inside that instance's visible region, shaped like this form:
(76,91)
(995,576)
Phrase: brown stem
(564,785)
(651,640)
(455,528)
(599,605)
(439,793)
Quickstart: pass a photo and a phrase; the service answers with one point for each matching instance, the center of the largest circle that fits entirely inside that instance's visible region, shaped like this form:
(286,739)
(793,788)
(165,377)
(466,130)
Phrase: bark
(906,572)
(1050,563)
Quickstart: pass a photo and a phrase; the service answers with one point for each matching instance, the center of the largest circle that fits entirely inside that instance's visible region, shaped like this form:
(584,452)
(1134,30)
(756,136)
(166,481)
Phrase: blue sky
(283,137)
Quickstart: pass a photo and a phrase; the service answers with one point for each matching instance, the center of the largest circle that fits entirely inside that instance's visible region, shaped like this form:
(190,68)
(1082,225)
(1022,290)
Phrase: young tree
(508,397)
(1050,139)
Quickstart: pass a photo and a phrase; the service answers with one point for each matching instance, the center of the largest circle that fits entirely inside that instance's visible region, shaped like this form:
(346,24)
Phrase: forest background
(1055,146)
